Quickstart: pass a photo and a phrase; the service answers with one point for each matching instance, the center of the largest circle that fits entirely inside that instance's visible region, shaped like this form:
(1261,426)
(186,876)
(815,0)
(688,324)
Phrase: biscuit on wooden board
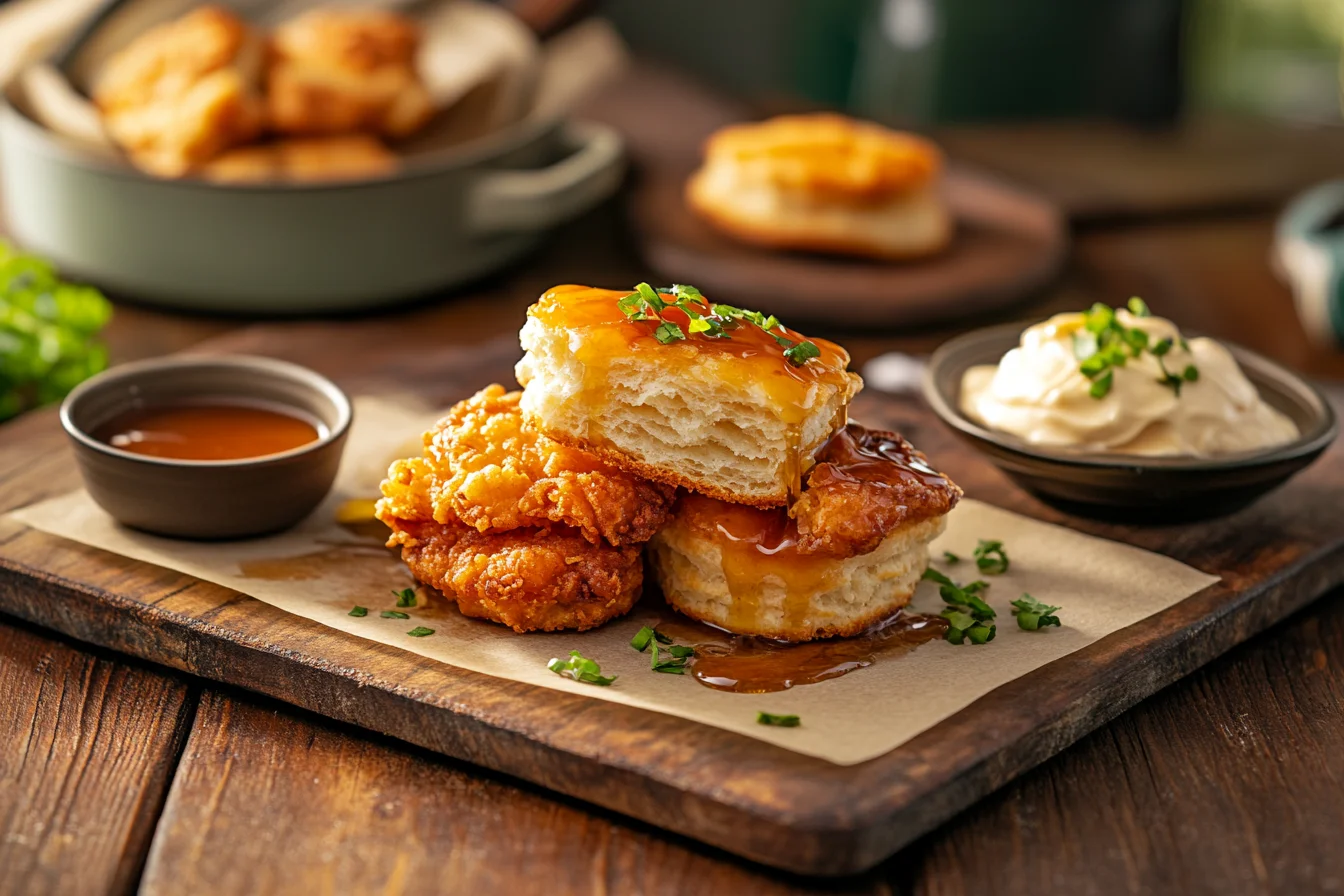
(823,183)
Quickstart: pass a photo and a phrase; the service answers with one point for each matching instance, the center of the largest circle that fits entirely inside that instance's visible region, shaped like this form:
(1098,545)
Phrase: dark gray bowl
(1117,486)
(207,499)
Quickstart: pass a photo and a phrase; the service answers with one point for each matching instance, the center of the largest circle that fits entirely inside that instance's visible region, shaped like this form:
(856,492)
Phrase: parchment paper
(1102,586)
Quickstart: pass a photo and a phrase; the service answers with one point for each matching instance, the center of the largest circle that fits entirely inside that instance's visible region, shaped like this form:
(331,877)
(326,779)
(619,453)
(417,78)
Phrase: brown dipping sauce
(208,431)
(745,664)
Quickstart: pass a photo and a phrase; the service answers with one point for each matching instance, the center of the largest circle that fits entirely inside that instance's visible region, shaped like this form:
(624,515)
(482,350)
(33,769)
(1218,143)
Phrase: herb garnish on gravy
(1104,344)
(707,318)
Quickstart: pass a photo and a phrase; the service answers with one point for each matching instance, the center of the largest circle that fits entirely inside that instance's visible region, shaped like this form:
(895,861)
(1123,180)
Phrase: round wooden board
(1007,244)
(1008,241)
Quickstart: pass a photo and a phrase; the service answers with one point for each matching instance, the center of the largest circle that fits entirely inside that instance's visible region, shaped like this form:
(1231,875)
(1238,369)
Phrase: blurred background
(926,62)
(1096,151)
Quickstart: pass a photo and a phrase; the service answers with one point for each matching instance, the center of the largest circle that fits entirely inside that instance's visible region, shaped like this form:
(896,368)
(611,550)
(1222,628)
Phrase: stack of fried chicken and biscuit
(789,522)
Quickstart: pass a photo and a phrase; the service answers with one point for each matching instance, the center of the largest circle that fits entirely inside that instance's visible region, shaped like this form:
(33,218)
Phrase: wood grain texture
(1008,242)
(270,800)
(782,808)
(1231,781)
(87,747)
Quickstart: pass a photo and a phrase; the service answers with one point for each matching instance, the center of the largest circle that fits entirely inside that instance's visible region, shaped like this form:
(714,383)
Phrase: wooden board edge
(844,845)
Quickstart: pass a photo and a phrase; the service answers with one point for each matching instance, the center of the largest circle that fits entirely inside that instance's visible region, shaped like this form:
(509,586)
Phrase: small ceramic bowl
(207,499)
(1147,489)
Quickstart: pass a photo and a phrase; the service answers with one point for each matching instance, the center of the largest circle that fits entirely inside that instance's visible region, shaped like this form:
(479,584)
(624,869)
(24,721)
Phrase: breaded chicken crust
(848,508)
(334,71)
(485,467)
(527,579)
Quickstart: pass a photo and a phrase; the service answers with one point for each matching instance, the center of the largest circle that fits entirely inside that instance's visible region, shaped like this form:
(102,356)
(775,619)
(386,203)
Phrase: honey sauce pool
(208,431)
(745,664)
(759,548)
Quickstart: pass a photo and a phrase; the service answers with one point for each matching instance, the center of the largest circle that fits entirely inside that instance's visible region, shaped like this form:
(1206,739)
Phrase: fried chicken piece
(334,71)
(854,498)
(485,467)
(527,579)
(183,92)
(518,528)
(304,160)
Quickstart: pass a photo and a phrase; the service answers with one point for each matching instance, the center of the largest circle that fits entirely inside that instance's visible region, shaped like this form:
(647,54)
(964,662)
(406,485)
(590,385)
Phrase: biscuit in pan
(304,160)
(728,416)
(334,71)
(823,183)
(183,92)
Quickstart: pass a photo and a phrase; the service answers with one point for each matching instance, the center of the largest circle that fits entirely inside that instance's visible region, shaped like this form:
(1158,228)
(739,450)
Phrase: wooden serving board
(1008,242)
(734,792)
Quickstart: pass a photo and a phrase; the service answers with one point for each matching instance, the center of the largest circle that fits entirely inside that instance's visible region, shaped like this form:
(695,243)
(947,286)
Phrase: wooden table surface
(117,777)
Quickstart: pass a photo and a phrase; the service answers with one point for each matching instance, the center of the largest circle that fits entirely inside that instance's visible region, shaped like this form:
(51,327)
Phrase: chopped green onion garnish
(1105,344)
(990,557)
(766,718)
(580,668)
(420,631)
(706,318)
(393,614)
(405,597)
(641,639)
(359,611)
(1032,614)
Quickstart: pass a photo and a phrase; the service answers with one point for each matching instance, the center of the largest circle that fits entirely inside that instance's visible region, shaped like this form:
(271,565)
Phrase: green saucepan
(294,249)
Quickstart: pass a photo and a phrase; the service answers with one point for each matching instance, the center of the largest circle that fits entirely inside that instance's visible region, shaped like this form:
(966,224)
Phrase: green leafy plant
(47,330)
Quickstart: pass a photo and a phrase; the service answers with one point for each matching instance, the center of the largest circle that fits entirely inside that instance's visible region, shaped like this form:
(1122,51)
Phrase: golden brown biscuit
(183,92)
(334,71)
(850,557)
(823,183)
(729,416)
(304,160)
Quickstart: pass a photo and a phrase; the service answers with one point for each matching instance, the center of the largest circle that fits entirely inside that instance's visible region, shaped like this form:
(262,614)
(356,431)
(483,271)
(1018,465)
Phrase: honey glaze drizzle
(759,552)
(858,454)
(745,664)
(746,357)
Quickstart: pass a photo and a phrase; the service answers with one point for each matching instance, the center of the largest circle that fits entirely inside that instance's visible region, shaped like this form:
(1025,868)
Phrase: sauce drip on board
(208,431)
(748,359)
(744,664)
(758,548)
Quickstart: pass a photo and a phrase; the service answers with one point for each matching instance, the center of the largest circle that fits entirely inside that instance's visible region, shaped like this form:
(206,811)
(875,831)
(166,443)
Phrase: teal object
(1309,250)
(924,61)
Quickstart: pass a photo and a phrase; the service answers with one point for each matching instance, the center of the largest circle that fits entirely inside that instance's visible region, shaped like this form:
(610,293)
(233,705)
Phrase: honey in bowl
(209,431)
